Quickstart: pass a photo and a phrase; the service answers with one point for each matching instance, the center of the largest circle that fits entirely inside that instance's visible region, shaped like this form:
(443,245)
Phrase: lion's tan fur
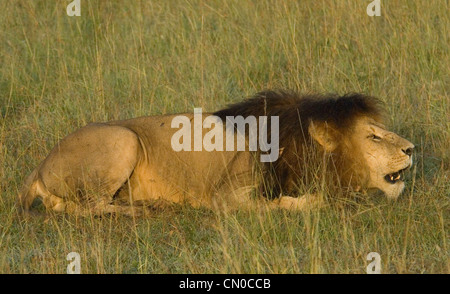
(132,161)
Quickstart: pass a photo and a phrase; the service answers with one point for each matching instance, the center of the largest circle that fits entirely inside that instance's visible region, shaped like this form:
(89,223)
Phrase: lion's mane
(299,154)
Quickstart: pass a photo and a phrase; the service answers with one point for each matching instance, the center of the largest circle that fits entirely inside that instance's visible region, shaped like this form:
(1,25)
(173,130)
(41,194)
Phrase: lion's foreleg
(305,202)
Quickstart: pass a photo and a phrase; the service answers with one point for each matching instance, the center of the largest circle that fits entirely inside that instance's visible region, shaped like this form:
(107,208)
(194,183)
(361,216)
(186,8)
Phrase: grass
(126,59)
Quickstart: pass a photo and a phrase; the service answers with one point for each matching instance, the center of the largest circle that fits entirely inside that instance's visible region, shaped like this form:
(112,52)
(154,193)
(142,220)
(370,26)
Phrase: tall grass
(125,59)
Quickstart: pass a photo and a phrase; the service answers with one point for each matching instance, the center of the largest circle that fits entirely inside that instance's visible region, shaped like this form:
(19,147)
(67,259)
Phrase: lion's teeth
(398,177)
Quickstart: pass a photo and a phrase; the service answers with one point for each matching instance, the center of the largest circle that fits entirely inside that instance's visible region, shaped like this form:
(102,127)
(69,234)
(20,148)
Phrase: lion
(340,142)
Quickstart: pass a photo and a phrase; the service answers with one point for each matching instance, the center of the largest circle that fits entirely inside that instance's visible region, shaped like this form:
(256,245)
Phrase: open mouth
(395,177)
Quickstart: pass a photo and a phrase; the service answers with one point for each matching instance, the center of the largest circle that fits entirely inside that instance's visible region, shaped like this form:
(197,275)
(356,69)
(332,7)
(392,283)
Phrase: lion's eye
(375,138)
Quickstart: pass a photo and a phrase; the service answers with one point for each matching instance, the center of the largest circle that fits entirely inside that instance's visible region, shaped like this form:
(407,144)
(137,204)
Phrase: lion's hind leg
(84,171)
(28,193)
(34,188)
(99,206)
(103,208)
(96,204)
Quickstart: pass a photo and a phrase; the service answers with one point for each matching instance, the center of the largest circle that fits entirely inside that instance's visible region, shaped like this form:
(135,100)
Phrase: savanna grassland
(122,59)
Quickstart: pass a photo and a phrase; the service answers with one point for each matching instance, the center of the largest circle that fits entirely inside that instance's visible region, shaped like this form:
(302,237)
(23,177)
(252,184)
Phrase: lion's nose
(408,151)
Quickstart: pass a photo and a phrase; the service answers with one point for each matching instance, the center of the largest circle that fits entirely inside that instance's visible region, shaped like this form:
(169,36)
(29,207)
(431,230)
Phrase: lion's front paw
(298,203)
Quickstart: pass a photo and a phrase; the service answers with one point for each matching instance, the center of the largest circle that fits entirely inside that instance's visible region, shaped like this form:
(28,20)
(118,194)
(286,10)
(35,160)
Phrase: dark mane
(295,112)
(293,108)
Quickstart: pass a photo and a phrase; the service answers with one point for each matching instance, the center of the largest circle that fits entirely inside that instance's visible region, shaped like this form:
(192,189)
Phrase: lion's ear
(324,134)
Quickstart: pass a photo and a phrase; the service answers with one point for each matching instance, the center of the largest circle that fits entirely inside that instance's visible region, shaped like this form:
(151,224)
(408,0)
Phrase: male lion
(339,142)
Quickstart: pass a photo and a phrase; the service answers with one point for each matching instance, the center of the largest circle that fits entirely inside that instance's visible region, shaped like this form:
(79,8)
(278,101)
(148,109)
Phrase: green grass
(123,59)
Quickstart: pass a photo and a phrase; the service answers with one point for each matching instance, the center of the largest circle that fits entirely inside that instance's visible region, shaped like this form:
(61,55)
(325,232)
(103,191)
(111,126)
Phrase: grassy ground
(122,59)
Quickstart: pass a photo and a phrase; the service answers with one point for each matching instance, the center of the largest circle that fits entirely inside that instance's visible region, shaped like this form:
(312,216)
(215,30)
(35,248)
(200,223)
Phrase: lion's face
(385,155)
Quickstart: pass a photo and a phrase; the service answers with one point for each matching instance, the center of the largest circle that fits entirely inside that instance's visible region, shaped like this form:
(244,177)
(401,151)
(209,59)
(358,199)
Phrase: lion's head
(347,131)
(372,154)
